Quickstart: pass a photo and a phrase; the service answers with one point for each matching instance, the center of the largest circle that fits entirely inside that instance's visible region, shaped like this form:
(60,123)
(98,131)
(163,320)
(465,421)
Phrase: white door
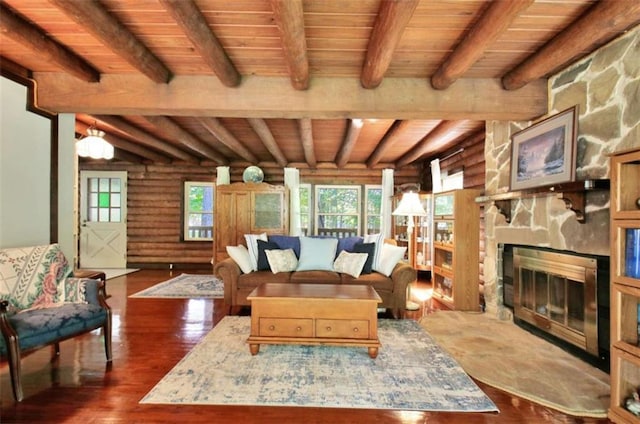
(103,219)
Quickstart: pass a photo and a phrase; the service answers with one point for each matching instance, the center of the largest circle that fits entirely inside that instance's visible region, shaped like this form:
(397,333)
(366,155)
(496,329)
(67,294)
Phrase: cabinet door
(231,220)
(268,212)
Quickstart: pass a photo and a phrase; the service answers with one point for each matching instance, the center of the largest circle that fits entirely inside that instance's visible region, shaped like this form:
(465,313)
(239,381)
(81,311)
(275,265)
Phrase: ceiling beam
(273,97)
(262,130)
(215,127)
(182,136)
(99,22)
(350,139)
(432,142)
(391,21)
(122,144)
(33,38)
(289,16)
(306,135)
(196,28)
(390,138)
(595,27)
(143,137)
(495,20)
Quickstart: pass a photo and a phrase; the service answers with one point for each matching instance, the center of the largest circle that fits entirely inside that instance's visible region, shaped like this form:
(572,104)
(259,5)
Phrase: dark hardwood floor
(149,337)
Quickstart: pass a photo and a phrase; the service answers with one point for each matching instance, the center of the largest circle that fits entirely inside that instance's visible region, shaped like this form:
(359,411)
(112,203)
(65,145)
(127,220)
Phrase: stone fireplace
(604,85)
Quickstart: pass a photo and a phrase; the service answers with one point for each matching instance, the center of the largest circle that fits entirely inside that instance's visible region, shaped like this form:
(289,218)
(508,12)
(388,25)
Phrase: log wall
(155,196)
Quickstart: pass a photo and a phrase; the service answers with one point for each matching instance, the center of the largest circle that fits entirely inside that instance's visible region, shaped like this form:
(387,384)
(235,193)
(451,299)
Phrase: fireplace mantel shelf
(573,194)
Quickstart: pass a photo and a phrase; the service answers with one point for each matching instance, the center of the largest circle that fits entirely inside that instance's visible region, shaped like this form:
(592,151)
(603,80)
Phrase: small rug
(411,372)
(186,286)
(505,356)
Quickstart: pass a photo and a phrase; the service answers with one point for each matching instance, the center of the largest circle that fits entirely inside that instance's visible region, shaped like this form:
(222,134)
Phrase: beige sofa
(392,289)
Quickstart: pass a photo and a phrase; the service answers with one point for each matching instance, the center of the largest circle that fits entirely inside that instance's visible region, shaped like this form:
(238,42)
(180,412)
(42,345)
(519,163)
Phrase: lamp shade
(94,145)
(410,205)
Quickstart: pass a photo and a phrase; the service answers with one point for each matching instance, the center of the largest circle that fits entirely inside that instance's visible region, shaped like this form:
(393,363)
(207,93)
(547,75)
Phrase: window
(373,202)
(198,210)
(337,210)
(305,208)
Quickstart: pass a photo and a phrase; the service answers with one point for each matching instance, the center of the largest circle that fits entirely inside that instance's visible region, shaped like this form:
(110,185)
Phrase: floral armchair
(42,304)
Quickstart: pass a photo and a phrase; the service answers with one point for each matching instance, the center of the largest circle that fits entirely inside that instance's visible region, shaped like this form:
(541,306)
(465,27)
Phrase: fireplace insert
(561,296)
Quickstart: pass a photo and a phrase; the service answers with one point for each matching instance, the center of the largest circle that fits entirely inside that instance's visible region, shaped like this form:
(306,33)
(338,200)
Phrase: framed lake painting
(545,153)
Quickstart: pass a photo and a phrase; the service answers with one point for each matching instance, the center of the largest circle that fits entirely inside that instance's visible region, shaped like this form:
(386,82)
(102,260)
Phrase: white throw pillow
(282,260)
(240,255)
(252,247)
(378,240)
(389,257)
(350,263)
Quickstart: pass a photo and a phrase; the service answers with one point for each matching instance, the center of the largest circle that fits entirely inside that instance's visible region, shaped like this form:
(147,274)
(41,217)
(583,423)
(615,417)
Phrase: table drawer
(286,327)
(342,328)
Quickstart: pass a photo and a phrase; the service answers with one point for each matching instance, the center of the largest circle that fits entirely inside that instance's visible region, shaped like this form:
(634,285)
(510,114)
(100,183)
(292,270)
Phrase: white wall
(25,167)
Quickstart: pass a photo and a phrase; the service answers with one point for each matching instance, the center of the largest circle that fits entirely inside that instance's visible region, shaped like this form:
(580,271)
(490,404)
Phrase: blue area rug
(186,286)
(411,372)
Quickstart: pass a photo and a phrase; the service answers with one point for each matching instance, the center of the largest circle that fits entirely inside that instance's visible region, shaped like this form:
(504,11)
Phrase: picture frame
(545,153)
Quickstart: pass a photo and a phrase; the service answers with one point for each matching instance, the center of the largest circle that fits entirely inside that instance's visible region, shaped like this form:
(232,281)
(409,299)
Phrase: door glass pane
(115,185)
(104,200)
(542,293)
(115,200)
(115,215)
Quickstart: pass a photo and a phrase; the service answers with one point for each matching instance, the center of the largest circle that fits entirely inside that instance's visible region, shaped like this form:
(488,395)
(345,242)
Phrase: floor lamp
(410,206)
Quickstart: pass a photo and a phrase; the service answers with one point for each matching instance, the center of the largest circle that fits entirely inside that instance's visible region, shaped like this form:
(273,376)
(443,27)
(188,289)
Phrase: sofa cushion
(378,240)
(38,327)
(287,242)
(370,250)
(317,254)
(252,247)
(263,262)
(315,277)
(282,260)
(350,263)
(240,256)
(30,276)
(376,280)
(389,257)
(347,243)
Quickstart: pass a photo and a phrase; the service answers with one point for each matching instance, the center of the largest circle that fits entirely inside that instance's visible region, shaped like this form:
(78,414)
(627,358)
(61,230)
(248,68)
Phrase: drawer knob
(328,328)
(272,327)
(298,328)
(355,330)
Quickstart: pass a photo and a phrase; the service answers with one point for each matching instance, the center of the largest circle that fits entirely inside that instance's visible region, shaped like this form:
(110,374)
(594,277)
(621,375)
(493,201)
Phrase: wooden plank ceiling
(355,83)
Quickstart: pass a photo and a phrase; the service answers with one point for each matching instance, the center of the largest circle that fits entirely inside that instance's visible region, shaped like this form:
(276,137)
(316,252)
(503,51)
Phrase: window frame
(186,211)
(310,213)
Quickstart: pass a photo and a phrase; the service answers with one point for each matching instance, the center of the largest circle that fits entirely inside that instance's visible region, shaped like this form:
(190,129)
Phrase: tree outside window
(338,209)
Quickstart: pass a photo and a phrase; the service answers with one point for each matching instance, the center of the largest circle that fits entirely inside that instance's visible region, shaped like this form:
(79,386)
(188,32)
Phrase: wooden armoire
(248,208)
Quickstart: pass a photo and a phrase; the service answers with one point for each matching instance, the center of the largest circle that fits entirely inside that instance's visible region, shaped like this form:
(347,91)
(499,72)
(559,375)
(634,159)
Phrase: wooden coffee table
(314,314)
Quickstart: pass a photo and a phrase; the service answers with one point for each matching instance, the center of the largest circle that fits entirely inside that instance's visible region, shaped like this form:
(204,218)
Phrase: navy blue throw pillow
(263,262)
(370,249)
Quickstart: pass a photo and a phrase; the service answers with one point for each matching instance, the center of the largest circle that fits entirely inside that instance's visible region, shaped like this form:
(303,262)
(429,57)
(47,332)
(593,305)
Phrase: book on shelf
(632,256)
